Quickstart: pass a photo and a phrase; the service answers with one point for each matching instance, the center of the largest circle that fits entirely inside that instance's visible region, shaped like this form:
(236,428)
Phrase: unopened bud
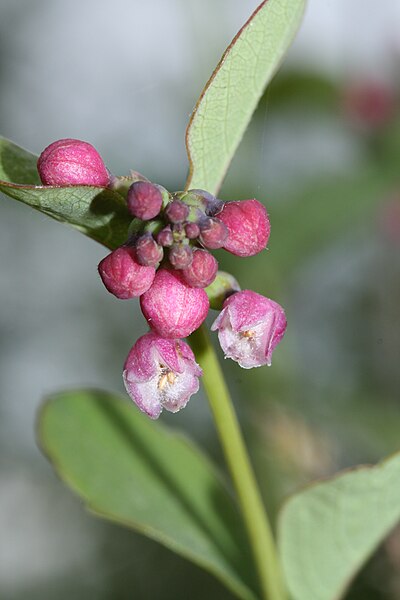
(192,231)
(123,276)
(148,252)
(202,270)
(177,211)
(165,237)
(144,200)
(248,225)
(72,162)
(173,308)
(213,233)
(180,256)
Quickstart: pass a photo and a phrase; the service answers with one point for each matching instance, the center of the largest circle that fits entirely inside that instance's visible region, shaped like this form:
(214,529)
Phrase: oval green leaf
(231,95)
(97,212)
(138,473)
(329,530)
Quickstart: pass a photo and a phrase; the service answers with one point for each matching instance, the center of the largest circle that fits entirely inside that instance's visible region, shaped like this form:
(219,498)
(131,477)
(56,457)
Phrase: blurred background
(323,154)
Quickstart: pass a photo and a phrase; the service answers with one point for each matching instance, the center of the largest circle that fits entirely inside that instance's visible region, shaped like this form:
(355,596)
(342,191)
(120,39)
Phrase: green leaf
(138,473)
(97,212)
(329,530)
(231,95)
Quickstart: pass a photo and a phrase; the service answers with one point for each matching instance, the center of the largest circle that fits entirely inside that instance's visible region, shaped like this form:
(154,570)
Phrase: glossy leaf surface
(231,95)
(329,530)
(138,473)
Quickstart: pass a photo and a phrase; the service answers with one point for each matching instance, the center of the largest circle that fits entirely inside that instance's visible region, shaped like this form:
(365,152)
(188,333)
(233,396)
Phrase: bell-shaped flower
(249,328)
(248,227)
(173,308)
(160,373)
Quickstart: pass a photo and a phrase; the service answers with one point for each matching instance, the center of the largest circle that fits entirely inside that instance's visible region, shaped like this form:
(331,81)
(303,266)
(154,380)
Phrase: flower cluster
(166,261)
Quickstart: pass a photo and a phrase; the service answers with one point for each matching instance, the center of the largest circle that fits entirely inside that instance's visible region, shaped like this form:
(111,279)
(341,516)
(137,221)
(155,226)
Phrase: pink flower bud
(123,276)
(165,237)
(148,252)
(249,328)
(180,256)
(177,211)
(72,162)
(173,308)
(203,269)
(144,200)
(192,231)
(248,225)
(213,233)
(160,373)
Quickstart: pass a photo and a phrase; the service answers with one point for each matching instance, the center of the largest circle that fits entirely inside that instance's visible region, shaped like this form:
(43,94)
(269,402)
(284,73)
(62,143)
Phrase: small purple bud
(123,276)
(173,308)
(180,256)
(165,237)
(144,200)
(212,205)
(72,162)
(249,328)
(248,225)
(177,211)
(160,373)
(192,231)
(213,233)
(148,252)
(203,269)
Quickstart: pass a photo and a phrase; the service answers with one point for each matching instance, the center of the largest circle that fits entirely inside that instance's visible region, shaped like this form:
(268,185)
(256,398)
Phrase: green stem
(254,515)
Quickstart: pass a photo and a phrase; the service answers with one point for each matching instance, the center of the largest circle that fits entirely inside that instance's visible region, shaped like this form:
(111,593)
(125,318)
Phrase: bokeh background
(323,154)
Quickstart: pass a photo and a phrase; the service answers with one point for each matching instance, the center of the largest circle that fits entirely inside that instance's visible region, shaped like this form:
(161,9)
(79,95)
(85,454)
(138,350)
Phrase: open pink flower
(248,227)
(249,328)
(160,373)
(172,307)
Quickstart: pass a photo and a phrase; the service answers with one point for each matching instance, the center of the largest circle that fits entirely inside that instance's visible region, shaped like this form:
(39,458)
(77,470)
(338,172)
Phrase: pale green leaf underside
(97,212)
(137,473)
(231,95)
(329,530)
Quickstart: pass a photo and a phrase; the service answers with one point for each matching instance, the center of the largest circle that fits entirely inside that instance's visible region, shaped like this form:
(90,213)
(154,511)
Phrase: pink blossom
(123,276)
(249,328)
(72,162)
(248,226)
(160,373)
(172,307)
